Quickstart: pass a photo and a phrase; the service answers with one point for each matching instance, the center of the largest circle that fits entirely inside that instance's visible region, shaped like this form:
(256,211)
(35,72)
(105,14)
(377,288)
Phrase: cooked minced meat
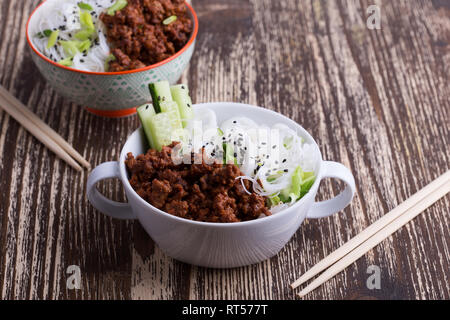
(202,192)
(140,38)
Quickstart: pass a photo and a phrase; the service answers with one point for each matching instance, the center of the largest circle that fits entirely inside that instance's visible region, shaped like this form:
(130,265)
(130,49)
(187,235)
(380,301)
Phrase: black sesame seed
(286,170)
(284,160)
(234,121)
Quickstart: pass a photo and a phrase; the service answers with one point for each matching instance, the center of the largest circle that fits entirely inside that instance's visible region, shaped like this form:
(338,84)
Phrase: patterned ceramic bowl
(113,94)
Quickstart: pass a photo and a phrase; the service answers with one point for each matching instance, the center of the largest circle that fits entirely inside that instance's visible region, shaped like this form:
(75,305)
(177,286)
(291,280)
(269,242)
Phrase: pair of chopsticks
(41,131)
(374,234)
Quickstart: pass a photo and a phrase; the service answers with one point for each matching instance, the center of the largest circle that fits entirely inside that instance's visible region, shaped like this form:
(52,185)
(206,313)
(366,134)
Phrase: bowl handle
(328,207)
(109,207)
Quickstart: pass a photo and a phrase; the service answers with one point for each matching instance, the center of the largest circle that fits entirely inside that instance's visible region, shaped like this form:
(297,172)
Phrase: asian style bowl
(220,245)
(109,94)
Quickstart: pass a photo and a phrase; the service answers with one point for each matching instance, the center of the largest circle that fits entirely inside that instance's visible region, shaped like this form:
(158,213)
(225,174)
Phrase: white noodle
(64,16)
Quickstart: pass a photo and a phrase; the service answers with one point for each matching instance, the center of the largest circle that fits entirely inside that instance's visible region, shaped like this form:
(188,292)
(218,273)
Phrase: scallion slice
(110,58)
(86,20)
(66,62)
(70,47)
(85,6)
(118,5)
(52,39)
(84,34)
(43,34)
(169,20)
(83,45)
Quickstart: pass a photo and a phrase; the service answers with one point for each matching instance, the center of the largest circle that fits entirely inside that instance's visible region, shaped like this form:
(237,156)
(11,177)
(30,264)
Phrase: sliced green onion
(85,6)
(70,47)
(84,34)
(220,131)
(43,34)
(66,62)
(86,20)
(118,5)
(273,201)
(169,20)
(52,39)
(110,58)
(84,45)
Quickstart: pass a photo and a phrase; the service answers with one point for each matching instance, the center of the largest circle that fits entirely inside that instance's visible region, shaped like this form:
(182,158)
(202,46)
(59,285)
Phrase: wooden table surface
(376,100)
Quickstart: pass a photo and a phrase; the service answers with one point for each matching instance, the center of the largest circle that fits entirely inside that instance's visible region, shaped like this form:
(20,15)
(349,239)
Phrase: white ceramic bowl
(109,94)
(220,245)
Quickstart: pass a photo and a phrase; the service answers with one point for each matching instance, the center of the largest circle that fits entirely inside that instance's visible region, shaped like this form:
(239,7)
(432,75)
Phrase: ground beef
(138,36)
(202,192)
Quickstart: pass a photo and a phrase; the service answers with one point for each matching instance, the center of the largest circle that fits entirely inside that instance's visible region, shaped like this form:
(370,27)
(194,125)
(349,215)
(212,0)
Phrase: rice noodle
(64,16)
(280,150)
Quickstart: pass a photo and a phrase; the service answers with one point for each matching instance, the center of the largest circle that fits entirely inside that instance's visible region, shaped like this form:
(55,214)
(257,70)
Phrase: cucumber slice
(160,129)
(145,113)
(180,94)
(171,108)
(160,92)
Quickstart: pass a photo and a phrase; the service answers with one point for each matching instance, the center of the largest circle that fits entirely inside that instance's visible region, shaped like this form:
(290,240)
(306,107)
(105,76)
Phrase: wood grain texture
(376,100)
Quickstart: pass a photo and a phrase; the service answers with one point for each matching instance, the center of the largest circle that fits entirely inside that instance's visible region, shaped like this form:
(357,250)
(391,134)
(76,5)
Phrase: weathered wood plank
(376,100)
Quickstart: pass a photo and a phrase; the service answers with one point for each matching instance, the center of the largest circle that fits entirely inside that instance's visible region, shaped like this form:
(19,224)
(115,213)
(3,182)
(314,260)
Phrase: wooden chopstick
(44,127)
(373,229)
(378,237)
(38,133)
